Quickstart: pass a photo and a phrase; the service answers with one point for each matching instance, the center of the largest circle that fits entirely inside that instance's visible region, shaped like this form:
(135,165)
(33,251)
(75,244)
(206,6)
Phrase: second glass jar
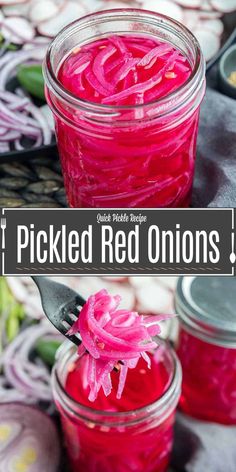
(207,347)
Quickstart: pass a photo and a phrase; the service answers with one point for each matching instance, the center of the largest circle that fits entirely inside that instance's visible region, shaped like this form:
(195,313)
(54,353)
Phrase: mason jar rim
(197,74)
(197,324)
(167,401)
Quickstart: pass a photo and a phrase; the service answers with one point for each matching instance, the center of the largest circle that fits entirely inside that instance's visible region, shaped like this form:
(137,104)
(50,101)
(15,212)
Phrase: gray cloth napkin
(215,176)
(203,447)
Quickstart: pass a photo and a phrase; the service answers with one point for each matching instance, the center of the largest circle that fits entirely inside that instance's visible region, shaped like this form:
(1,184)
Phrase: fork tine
(65,325)
(64,330)
(70,318)
(61,305)
(73,317)
(74,339)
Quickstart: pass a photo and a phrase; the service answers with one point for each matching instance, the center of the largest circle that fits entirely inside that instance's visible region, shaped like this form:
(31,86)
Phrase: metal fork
(3,227)
(61,305)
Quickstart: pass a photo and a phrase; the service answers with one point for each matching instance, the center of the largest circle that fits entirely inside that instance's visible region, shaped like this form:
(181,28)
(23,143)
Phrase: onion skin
(36,443)
(17,111)
(26,376)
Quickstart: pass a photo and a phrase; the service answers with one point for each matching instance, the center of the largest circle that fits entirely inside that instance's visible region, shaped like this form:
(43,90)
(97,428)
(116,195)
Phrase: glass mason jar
(102,441)
(207,347)
(126,156)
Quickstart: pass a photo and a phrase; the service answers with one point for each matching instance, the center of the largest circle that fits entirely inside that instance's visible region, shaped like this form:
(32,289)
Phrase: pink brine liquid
(209,379)
(134,158)
(119,447)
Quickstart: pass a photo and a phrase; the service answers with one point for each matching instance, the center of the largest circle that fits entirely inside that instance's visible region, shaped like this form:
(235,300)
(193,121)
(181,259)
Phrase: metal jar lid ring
(207,307)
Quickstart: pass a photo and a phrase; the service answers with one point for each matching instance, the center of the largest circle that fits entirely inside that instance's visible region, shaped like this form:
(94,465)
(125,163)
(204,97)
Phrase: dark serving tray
(229,37)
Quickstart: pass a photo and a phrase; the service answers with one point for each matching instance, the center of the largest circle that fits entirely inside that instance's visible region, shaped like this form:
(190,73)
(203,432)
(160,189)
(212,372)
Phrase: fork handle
(63,295)
(3,239)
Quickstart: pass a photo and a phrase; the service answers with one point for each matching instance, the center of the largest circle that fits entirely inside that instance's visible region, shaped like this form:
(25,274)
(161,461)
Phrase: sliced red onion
(7,114)
(123,374)
(124,70)
(6,59)
(80,68)
(20,371)
(18,145)
(95,84)
(110,67)
(9,97)
(38,142)
(29,131)
(98,65)
(110,335)
(4,147)
(45,110)
(144,86)
(156,52)
(3,130)
(10,394)
(10,136)
(37,41)
(22,116)
(20,105)
(120,46)
(16,59)
(38,115)
(32,440)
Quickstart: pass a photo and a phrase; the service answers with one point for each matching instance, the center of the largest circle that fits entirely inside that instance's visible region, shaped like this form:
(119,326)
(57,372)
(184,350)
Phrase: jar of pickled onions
(134,433)
(206,347)
(125,88)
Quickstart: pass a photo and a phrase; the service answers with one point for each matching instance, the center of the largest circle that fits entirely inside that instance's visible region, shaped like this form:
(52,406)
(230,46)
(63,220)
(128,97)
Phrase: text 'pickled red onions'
(113,338)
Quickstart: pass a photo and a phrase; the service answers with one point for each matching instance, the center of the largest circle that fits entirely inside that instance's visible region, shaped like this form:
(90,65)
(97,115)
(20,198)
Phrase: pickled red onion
(98,65)
(124,70)
(120,45)
(154,53)
(113,338)
(122,67)
(144,86)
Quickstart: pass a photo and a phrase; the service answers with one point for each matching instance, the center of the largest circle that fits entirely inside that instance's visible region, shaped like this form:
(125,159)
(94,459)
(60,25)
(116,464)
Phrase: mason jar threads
(206,347)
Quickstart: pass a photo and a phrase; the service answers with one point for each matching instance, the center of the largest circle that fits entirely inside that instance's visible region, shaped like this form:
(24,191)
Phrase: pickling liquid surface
(146,160)
(93,446)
